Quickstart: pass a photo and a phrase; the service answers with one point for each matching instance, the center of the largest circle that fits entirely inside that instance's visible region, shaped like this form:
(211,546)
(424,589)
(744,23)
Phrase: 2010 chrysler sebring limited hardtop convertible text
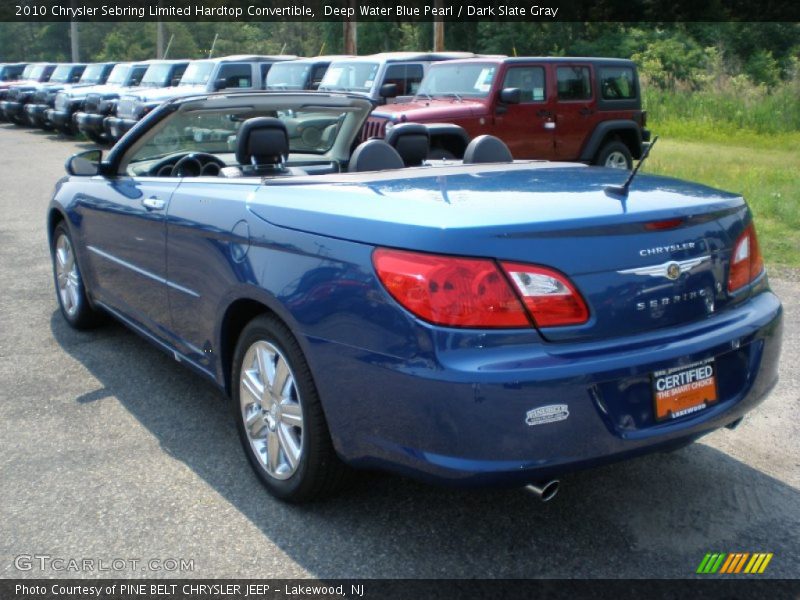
(484,321)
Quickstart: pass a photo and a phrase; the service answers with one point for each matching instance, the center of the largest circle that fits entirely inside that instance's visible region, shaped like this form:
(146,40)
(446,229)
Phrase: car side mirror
(511,95)
(175,81)
(388,90)
(314,86)
(220,84)
(85,164)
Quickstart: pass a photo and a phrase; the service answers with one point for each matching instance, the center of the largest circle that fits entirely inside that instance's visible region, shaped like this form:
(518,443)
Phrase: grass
(741,106)
(764,168)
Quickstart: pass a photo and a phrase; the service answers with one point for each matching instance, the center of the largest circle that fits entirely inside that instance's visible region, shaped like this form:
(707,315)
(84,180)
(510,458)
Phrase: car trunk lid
(654,259)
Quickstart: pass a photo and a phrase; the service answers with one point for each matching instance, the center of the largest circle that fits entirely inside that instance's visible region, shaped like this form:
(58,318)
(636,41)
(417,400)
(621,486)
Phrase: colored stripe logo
(734,563)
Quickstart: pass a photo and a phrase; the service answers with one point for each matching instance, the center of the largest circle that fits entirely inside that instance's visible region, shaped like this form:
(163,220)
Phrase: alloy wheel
(67,276)
(271,409)
(616,160)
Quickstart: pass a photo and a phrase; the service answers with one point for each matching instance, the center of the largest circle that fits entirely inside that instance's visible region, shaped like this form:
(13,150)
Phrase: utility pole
(438,29)
(74,37)
(351,33)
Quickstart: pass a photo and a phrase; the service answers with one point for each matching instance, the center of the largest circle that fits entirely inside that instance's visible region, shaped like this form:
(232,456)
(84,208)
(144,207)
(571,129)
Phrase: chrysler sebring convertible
(484,321)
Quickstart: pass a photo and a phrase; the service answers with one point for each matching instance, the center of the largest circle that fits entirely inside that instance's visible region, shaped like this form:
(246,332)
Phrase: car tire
(279,415)
(70,289)
(615,155)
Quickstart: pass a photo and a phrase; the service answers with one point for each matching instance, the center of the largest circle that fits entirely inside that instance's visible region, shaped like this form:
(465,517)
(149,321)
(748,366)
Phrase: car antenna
(622,190)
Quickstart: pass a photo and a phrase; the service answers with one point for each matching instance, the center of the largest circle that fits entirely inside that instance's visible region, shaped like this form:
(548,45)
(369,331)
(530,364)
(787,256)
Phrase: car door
(574,108)
(208,246)
(527,128)
(123,227)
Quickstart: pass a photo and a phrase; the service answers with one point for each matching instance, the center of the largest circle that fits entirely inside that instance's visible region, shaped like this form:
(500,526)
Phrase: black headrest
(451,139)
(374,155)
(411,140)
(264,139)
(487,149)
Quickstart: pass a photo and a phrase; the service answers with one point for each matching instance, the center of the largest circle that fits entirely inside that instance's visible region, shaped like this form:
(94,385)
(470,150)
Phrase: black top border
(534,11)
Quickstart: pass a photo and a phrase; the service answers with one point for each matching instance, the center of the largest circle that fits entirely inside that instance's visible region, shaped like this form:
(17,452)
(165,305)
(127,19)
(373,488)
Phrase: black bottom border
(713,587)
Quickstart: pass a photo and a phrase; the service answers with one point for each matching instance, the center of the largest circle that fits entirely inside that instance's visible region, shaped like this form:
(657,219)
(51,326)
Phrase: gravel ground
(108,449)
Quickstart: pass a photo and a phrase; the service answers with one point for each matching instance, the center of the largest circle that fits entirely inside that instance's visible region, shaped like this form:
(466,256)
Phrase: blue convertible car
(480,321)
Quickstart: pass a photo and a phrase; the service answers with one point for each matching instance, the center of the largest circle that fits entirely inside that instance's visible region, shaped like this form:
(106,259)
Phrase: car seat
(374,155)
(262,147)
(412,142)
(487,149)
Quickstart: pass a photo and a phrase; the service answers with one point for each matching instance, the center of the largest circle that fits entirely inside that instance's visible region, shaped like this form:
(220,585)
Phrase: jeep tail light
(448,290)
(746,261)
(549,296)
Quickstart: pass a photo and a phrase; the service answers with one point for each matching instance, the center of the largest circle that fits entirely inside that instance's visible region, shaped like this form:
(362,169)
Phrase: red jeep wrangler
(571,109)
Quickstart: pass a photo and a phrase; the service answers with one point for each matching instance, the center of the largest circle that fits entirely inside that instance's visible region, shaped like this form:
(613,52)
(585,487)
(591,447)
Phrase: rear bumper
(116,127)
(90,123)
(462,417)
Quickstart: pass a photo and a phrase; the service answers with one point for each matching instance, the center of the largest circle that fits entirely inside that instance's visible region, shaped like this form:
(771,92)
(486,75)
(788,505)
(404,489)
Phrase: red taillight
(458,292)
(549,296)
(474,292)
(746,260)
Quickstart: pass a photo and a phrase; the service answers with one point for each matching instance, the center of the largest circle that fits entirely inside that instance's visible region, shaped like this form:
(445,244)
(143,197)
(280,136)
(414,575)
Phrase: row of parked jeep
(584,109)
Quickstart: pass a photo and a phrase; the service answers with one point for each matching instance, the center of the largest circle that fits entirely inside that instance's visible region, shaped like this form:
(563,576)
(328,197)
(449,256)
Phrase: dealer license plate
(684,390)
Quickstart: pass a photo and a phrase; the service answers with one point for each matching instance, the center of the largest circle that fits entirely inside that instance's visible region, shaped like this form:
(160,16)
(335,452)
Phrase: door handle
(153,203)
(586,111)
(544,113)
(549,125)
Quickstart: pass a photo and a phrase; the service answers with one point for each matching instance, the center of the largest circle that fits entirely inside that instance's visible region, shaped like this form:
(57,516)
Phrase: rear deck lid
(658,258)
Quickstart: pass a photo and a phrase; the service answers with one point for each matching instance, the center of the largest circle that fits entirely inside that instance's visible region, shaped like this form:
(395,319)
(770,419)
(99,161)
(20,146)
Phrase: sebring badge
(547,414)
(672,269)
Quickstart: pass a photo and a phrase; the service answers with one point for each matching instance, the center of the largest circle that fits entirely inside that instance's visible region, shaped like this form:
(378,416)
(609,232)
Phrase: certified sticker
(551,413)
(684,390)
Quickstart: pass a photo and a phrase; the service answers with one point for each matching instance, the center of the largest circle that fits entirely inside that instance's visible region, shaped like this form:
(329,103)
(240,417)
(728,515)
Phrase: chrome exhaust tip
(544,490)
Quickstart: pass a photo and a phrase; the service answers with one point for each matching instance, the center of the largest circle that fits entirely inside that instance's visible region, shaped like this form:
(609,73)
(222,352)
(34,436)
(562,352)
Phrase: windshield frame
(98,76)
(354,110)
(336,70)
(163,71)
(304,69)
(27,72)
(66,74)
(123,68)
(480,67)
(197,66)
